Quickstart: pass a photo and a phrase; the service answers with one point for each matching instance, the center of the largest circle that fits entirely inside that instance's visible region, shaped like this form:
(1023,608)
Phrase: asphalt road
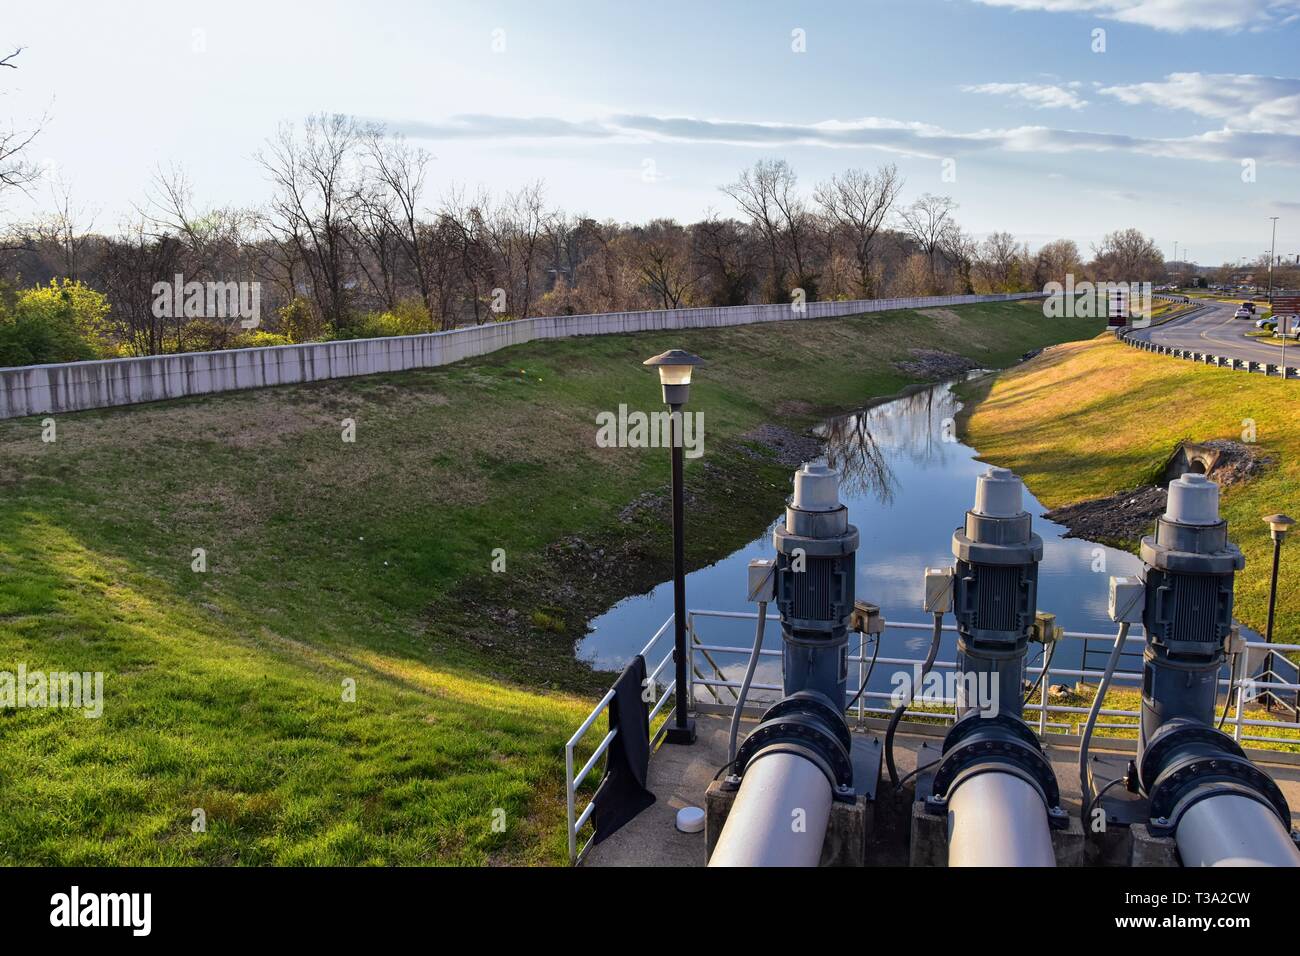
(1213,329)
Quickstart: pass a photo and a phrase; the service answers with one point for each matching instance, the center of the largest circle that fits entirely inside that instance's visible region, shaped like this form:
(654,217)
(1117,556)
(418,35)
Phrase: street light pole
(1278,525)
(1272,251)
(675,368)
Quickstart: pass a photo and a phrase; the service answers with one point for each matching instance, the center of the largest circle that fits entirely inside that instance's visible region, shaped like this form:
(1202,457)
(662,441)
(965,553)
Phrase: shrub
(299,322)
(408,317)
(65,321)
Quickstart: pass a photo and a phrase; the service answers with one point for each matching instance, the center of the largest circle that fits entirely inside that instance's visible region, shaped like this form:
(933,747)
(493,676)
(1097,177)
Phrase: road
(1213,329)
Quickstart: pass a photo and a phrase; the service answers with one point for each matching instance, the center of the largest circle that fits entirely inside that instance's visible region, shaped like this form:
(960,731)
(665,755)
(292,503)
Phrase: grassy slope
(1092,418)
(371,561)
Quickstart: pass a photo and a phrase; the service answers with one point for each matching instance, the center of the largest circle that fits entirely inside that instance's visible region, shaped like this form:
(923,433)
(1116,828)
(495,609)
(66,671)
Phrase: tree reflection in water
(919,427)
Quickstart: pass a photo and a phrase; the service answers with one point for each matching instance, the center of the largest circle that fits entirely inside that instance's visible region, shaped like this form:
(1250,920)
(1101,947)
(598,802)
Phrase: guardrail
(1209,358)
(572,781)
(1239,687)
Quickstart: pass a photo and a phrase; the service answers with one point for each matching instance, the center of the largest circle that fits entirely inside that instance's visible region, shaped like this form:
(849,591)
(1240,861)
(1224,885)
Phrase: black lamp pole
(675,368)
(683,729)
(1278,526)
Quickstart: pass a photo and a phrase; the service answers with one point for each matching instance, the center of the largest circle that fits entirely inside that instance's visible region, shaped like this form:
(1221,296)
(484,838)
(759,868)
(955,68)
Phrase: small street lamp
(1278,525)
(675,367)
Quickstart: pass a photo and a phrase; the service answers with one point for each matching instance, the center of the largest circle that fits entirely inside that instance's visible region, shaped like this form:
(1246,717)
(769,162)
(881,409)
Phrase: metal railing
(932,707)
(574,781)
(1239,688)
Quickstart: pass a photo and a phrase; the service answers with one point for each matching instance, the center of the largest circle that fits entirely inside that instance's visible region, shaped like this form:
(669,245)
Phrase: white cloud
(1239,101)
(1174,15)
(1040,95)
(906,138)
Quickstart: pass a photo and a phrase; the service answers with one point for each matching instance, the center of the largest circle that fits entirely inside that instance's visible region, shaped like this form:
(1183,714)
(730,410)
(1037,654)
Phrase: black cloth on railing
(623,794)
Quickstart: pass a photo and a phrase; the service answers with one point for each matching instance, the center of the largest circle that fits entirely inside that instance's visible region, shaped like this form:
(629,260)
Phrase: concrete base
(846,833)
(929,843)
(1151,850)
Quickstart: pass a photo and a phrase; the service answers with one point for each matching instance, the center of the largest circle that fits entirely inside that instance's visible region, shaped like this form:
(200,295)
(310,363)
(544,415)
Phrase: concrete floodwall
(75,386)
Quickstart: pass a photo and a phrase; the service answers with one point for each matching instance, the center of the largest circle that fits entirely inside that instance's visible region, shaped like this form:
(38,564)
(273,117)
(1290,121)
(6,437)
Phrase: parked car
(1265,323)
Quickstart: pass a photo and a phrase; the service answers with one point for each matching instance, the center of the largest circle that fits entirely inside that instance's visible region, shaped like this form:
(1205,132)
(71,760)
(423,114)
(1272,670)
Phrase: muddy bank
(1127,515)
(935,364)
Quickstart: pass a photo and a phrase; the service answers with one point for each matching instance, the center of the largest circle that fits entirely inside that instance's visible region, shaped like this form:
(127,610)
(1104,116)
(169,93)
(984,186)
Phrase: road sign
(1286,305)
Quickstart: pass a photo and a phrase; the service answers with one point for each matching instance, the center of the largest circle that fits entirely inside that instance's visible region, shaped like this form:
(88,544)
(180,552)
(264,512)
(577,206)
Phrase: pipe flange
(810,701)
(1189,779)
(1179,734)
(1001,743)
(805,723)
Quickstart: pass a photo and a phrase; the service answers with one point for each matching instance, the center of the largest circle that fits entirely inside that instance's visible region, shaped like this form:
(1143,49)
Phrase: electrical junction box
(866,618)
(938,590)
(1127,600)
(762,580)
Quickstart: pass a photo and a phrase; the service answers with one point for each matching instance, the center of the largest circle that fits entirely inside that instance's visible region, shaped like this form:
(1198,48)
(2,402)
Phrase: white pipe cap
(1193,499)
(998,494)
(690,820)
(816,488)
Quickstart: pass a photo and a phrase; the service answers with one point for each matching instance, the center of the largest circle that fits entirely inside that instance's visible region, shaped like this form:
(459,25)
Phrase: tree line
(355,241)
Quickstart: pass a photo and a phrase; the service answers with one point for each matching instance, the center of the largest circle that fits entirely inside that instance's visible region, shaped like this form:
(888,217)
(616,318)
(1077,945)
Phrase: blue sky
(1049,137)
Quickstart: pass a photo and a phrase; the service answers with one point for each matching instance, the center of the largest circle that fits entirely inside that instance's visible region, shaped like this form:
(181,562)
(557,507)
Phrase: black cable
(725,766)
(1232,689)
(920,769)
(874,654)
(1047,664)
(898,714)
(1087,811)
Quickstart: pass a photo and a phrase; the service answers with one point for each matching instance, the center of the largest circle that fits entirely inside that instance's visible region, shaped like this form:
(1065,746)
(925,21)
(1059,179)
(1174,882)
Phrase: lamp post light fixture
(675,367)
(1278,525)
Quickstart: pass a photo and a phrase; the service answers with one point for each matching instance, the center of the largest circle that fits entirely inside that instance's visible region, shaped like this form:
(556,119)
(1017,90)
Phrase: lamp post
(1272,251)
(675,368)
(1278,525)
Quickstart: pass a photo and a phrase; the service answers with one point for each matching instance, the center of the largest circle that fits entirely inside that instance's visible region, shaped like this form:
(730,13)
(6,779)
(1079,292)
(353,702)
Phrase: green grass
(371,562)
(1092,418)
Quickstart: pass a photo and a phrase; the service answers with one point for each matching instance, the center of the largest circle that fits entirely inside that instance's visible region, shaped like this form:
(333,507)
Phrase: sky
(1044,118)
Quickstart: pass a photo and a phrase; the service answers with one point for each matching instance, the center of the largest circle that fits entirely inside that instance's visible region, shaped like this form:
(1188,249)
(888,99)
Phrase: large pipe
(779,817)
(997,819)
(1229,829)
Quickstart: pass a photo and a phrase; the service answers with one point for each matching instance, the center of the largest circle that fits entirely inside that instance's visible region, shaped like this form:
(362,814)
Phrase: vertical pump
(1200,786)
(816,551)
(797,761)
(994,780)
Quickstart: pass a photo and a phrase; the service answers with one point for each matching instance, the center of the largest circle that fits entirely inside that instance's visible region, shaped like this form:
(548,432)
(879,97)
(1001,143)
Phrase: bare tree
(61,239)
(1000,261)
(399,171)
(16,172)
(664,263)
(858,203)
(721,250)
(963,252)
(131,263)
(768,194)
(927,221)
(314,183)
